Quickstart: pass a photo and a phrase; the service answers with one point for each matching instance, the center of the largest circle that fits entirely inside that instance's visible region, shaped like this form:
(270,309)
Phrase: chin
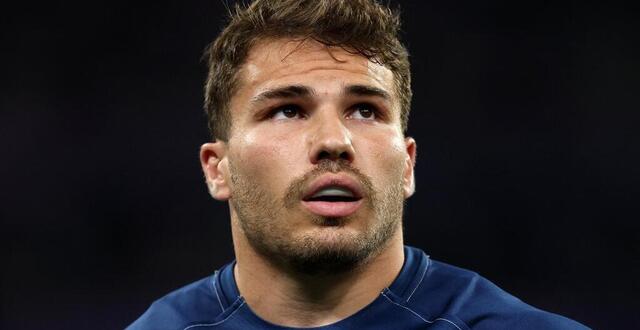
(332,238)
(328,250)
(333,234)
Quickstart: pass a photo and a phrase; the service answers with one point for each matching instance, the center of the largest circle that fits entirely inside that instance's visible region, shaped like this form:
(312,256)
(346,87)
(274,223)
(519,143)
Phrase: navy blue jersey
(427,294)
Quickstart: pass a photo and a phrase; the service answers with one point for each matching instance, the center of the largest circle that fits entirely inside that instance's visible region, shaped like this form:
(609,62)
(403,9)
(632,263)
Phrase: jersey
(426,294)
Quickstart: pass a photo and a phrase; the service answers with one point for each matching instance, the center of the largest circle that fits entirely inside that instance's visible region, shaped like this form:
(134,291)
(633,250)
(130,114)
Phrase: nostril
(324,155)
(334,156)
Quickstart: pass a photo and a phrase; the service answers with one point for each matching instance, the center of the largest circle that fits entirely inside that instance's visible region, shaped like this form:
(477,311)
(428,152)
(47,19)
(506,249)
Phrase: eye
(286,112)
(363,111)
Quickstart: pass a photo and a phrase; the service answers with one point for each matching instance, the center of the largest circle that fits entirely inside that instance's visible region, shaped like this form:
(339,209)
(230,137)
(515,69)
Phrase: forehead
(292,61)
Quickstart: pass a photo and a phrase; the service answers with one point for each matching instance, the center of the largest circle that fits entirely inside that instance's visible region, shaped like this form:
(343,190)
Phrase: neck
(287,298)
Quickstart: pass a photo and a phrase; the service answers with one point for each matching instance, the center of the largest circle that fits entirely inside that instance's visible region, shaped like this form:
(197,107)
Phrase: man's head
(363,27)
(314,164)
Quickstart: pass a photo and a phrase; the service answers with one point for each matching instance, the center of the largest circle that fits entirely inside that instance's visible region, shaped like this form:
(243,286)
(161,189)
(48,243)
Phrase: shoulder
(194,303)
(531,318)
(480,304)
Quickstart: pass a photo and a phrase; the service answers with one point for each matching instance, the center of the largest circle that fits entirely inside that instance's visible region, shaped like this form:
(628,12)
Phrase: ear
(408,181)
(216,169)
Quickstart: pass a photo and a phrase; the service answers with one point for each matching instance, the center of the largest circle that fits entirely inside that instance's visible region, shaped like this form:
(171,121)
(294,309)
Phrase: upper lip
(333,180)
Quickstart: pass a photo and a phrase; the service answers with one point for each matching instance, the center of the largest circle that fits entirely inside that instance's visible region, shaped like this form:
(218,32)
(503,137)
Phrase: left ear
(408,181)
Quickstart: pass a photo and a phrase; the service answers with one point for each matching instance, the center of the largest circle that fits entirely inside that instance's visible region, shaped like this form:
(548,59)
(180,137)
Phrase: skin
(272,145)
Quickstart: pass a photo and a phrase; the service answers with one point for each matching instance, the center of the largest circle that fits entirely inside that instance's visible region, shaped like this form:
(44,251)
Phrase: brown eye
(287,111)
(363,111)
(366,113)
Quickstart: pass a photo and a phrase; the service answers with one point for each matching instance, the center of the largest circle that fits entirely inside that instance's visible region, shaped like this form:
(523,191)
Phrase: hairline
(264,38)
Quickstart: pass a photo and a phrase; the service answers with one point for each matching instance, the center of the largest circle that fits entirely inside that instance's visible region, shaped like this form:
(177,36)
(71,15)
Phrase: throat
(302,301)
(313,302)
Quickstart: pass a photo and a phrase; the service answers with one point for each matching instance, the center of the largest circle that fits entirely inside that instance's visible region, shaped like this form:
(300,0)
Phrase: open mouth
(333,200)
(333,194)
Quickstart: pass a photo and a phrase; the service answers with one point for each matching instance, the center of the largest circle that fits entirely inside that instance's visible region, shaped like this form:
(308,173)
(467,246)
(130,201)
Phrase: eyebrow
(299,91)
(287,92)
(365,90)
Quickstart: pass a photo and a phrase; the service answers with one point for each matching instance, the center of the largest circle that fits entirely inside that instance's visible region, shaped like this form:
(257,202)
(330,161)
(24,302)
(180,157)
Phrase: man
(308,102)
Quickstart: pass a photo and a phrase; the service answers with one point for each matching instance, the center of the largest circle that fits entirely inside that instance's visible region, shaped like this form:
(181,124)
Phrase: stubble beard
(332,250)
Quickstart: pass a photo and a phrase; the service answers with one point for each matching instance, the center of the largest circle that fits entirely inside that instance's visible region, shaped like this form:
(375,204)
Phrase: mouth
(333,196)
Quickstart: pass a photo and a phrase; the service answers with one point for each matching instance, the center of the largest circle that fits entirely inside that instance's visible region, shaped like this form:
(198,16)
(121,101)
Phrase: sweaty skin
(276,142)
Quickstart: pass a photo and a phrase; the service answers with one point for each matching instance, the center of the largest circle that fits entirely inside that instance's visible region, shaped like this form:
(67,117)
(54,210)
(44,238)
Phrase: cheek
(264,158)
(385,157)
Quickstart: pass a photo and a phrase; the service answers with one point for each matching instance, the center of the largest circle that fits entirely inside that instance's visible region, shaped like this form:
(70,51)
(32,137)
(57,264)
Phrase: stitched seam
(412,312)
(455,325)
(418,315)
(215,289)
(422,278)
(217,323)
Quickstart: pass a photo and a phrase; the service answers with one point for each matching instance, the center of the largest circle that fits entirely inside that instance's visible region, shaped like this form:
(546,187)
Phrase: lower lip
(332,209)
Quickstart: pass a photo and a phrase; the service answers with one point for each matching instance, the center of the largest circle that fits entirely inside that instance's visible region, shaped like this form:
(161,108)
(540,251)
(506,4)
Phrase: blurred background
(525,113)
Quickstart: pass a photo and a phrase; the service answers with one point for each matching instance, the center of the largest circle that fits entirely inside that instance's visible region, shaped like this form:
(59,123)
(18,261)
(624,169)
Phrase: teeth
(333,192)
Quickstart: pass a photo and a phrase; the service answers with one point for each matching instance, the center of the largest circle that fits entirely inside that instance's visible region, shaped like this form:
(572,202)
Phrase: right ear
(216,169)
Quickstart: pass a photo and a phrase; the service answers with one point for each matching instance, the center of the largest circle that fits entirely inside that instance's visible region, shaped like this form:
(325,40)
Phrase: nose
(330,139)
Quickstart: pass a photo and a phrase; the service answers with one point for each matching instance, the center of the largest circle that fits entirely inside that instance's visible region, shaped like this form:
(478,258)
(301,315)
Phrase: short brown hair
(364,27)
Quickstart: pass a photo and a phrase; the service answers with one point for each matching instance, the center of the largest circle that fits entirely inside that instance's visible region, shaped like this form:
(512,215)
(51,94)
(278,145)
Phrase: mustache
(295,191)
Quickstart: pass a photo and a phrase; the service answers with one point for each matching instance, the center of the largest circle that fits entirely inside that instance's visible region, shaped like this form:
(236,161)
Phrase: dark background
(525,113)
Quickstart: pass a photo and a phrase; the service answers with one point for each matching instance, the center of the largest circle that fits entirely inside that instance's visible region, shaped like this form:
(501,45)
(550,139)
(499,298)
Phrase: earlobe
(215,167)
(410,163)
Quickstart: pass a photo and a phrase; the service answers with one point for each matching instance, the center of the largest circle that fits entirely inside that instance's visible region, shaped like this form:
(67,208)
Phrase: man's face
(316,167)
